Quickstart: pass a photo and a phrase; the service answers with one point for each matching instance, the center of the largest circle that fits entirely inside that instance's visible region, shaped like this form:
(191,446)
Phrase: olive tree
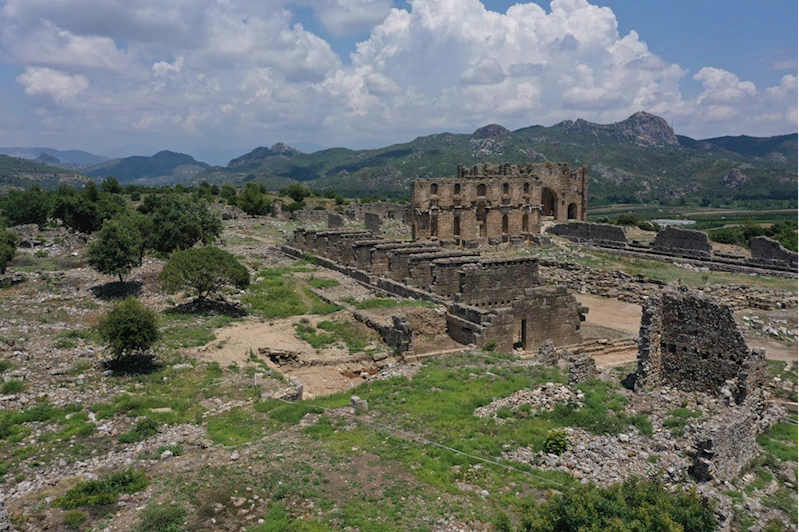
(119,246)
(203,271)
(179,221)
(130,328)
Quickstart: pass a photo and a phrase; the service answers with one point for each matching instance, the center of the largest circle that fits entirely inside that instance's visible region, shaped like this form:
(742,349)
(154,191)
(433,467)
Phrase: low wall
(685,242)
(604,234)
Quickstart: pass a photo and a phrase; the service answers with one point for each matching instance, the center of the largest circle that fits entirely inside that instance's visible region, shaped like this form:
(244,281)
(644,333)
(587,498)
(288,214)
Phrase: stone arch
(434,189)
(505,188)
(481,190)
(549,199)
(572,211)
(457,188)
(527,188)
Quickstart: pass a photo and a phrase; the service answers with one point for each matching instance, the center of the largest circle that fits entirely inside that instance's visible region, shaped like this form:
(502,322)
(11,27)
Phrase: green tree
(27,207)
(203,271)
(296,192)
(179,221)
(253,201)
(228,192)
(8,247)
(119,247)
(111,185)
(129,328)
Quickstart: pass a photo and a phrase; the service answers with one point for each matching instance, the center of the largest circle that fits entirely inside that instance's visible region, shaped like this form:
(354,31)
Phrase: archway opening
(550,202)
(481,190)
(526,223)
(505,224)
(456,226)
(572,213)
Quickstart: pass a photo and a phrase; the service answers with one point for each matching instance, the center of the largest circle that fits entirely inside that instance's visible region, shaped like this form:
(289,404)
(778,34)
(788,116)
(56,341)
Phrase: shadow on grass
(138,364)
(208,307)
(117,290)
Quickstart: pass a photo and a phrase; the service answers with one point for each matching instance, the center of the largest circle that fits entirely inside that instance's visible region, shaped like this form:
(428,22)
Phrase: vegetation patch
(281,294)
(780,441)
(104,491)
(161,518)
(391,303)
(678,419)
(143,429)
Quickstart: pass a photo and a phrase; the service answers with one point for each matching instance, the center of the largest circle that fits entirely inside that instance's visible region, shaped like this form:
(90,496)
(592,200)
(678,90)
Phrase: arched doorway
(572,213)
(550,202)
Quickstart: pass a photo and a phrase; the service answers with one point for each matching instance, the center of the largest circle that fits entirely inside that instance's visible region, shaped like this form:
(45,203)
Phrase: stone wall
(726,444)
(766,251)
(386,210)
(334,220)
(686,242)
(499,301)
(372,222)
(494,203)
(602,234)
(691,341)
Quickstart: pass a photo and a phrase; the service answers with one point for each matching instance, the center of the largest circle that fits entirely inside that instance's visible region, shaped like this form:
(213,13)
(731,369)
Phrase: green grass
(290,413)
(236,426)
(104,491)
(780,441)
(161,518)
(321,283)
(282,294)
(348,332)
(308,333)
(143,429)
(6,365)
(12,386)
(182,330)
(74,518)
(785,500)
(391,303)
(678,419)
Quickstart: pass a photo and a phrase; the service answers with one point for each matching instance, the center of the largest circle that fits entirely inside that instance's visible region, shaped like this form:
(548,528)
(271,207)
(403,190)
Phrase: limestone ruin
(494,203)
(489,301)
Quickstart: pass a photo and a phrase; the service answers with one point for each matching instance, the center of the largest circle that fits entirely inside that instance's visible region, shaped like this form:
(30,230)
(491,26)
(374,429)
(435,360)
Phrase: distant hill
(22,173)
(635,160)
(165,167)
(73,157)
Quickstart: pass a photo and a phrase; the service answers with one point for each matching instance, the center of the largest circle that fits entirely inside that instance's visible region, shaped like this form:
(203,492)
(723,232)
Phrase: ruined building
(493,203)
(489,301)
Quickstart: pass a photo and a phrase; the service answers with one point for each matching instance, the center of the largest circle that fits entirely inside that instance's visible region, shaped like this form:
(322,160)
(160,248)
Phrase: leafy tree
(129,328)
(8,247)
(179,221)
(27,207)
(111,185)
(228,192)
(627,219)
(214,189)
(87,211)
(296,192)
(634,505)
(203,271)
(253,201)
(118,249)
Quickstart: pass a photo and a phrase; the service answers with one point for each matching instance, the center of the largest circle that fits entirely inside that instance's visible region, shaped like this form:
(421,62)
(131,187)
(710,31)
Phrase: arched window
(481,189)
(505,188)
(457,188)
(572,213)
(434,189)
(527,188)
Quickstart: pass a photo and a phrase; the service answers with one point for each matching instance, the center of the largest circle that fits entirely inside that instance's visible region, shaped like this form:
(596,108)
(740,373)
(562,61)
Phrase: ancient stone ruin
(766,251)
(691,341)
(602,234)
(489,301)
(494,203)
(686,242)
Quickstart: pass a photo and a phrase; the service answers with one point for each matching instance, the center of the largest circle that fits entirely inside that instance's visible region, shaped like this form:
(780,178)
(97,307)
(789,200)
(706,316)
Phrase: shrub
(204,271)
(12,386)
(74,518)
(296,192)
(627,219)
(103,491)
(8,248)
(27,207)
(143,429)
(160,518)
(179,221)
(253,201)
(129,328)
(635,505)
(556,442)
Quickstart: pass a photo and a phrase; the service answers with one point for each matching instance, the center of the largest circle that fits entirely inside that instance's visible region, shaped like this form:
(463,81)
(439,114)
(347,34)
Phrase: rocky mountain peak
(279,148)
(491,131)
(641,128)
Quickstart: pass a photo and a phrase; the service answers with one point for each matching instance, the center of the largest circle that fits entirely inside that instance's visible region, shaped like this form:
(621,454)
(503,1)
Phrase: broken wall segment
(691,341)
(602,234)
(768,252)
(726,444)
(686,242)
(372,222)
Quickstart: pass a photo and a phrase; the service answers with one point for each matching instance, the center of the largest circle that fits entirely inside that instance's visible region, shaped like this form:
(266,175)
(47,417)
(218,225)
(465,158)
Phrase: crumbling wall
(604,234)
(372,222)
(770,252)
(582,367)
(496,282)
(686,242)
(334,220)
(386,210)
(726,444)
(691,341)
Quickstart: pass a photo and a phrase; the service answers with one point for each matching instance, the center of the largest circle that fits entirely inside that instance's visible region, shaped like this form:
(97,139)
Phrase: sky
(217,78)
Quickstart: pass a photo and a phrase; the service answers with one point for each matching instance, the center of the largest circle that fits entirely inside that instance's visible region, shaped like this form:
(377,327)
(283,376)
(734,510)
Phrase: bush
(129,328)
(179,221)
(143,429)
(159,518)
(296,192)
(627,219)
(204,271)
(103,491)
(8,248)
(635,505)
(556,442)
(74,518)
(253,201)
(27,207)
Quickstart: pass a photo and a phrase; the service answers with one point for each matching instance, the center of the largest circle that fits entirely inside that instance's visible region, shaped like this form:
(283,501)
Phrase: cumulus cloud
(247,69)
(50,83)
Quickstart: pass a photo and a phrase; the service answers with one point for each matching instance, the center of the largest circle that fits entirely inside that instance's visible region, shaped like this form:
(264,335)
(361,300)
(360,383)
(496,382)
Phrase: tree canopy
(129,328)
(8,247)
(179,221)
(253,201)
(119,247)
(203,271)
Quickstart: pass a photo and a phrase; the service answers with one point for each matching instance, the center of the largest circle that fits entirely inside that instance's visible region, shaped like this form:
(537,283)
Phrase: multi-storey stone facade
(493,203)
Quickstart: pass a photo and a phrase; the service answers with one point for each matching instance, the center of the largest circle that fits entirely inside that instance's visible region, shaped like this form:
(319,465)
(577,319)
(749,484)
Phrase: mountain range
(638,159)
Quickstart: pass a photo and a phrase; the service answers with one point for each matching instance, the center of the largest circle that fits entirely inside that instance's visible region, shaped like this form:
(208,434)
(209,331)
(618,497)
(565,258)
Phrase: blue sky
(209,78)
